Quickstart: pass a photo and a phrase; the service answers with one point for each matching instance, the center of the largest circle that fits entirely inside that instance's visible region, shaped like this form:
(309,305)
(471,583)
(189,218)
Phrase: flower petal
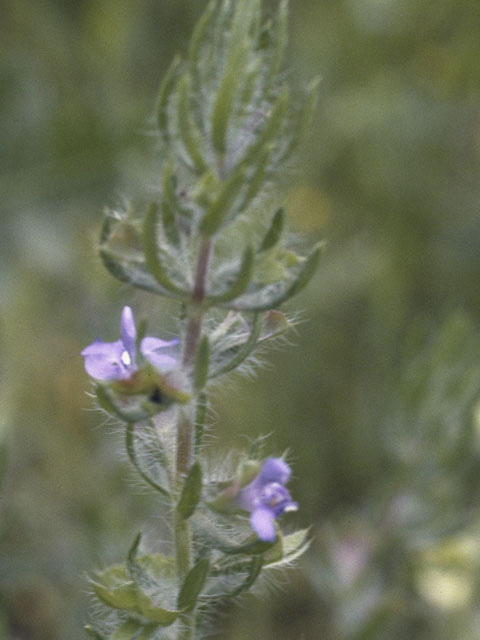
(129,333)
(274,470)
(103,360)
(262,521)
(162,354)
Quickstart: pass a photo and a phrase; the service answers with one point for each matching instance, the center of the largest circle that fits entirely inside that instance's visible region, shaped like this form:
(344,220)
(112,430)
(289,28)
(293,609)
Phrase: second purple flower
(266,497)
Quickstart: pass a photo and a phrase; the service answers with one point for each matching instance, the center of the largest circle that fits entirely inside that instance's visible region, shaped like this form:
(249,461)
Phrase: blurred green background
(375,397)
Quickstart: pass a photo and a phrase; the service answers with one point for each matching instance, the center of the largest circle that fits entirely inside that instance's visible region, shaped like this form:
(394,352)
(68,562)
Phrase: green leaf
(135,571)
(302,279)
(251,74)
(161,568)
(132,272)
(279,36)
(155,613)
(255,569)
(274,233)
(170,206)
(187,129)
(127,631)
(252,546)
(152,251)
(241,281)
(200,32)
(220,208)
(114,587)
(244,350)
(120,586)
(256,180)
(293,546)
(132,456)
(193,585)
(271,129)
(307,271)
(192,491)
(202,364)
(223,106)
(148,631)
(166,89)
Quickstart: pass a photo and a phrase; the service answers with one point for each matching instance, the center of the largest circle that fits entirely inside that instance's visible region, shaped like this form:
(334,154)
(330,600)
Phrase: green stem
(186,429)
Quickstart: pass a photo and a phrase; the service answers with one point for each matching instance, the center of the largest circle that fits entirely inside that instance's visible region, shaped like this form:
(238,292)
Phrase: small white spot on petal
(291,507)
(126,359)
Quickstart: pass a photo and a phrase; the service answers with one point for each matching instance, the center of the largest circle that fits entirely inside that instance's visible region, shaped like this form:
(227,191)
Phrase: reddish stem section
(195,312)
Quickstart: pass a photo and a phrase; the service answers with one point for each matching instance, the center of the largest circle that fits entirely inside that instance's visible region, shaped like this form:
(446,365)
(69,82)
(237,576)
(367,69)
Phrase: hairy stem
(186,428)
(195,311)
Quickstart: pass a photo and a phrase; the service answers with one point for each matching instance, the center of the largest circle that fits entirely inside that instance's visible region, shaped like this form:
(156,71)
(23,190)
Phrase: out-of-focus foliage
(377,401)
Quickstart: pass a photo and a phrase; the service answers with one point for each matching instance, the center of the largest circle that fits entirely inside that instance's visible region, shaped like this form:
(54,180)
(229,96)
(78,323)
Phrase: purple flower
(118,360)
(267,498)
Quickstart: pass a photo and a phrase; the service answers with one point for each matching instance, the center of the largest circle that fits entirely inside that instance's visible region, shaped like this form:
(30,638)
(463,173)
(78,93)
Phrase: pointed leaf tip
(152,251)
(241,281)
(275,231)
(193,585)
(191,493)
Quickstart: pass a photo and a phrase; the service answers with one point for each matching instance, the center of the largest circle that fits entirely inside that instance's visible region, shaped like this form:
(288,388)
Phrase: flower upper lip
(118,360)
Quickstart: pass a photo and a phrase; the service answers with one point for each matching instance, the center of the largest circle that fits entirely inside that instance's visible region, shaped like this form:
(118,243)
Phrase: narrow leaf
(131,272)
(200,32)
(151,250)
(132,456)
(114,587)
(307,271)
(193,585)
(164,94)
(223,106)
(133,567)
(256,180)
(254,571)
(127,631)
(293,546)
(192,491)
(187,129)
(155,613)
(280,41)
(242,279)
(275,231)
(304,276)
(219,210)
(270,130)
(244,351)
(202,364)
(252,546)
(169,206)
(124,596)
